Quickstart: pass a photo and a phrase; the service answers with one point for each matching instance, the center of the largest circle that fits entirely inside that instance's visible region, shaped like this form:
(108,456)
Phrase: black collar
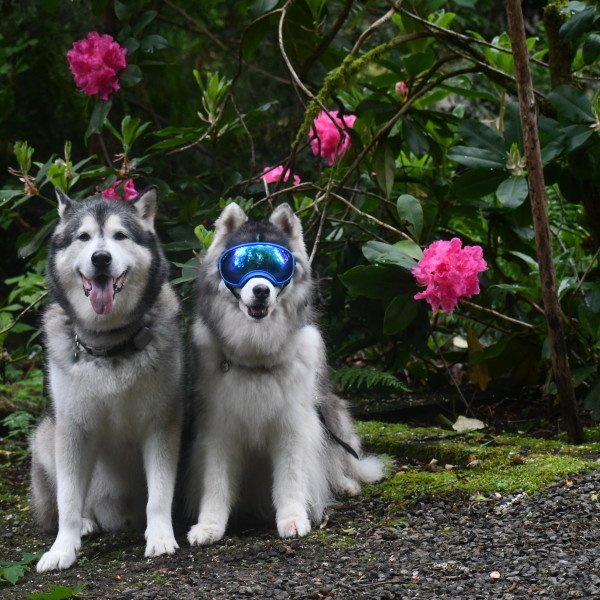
(227,363)
(138,341)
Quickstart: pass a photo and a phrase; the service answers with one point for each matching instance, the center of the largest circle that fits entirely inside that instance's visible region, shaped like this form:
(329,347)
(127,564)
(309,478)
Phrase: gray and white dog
(272,439)
(107,452)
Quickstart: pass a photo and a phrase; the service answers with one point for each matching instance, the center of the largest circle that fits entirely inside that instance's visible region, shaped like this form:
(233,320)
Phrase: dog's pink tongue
(101,295)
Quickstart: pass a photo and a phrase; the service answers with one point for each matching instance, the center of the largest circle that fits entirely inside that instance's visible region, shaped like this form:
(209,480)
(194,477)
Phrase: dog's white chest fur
(259,396)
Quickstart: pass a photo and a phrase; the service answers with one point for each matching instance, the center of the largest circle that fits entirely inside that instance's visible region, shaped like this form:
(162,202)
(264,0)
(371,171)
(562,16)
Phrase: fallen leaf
(465,424)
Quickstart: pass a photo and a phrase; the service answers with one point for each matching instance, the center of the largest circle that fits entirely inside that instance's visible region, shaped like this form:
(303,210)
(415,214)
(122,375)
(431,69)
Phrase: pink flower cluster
(327,140)
(129,191)
(95,62)
(273,175)
(449,272)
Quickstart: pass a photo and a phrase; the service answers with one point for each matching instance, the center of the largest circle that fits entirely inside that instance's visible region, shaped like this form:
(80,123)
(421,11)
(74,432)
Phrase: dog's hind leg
(43,476)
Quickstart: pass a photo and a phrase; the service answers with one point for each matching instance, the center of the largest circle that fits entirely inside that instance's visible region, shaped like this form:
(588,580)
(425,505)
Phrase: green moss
(503,464)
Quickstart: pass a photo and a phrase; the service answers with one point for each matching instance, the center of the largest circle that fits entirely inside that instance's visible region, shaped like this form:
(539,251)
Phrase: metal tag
(142,338)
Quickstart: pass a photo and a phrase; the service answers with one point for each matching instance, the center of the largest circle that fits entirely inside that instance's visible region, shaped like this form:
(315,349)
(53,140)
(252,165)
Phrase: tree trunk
(559,51)
(539,209)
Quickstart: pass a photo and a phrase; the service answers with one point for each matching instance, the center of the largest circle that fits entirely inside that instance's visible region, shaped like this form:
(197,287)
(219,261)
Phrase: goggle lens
(256,259)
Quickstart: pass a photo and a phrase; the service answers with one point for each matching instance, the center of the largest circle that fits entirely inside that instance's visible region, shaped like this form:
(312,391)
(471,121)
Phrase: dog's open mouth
(258,312)
(102,291)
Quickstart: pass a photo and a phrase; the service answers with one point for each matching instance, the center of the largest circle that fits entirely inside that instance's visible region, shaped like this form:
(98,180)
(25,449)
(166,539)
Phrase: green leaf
(589,320)
(37,239)
(572,104)
(384,164)
(399,314)
(591,48)
(418,62)
(382,253)
(469,93)
(411,211)
(512,192)
(409,247)
(123,11)
(99,114)
(479,135)
(476,157)
(13,573)
(260,7)
(58,592)
(143,21)
(415,138)
(376,281)
(477,183)
(154,42)
(579,23)
(130,75)
(576,136)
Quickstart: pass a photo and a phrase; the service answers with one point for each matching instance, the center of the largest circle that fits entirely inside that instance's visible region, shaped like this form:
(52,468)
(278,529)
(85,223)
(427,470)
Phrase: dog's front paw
(294,526)
(160,540)
(54,560)
(202,534)
(160,545)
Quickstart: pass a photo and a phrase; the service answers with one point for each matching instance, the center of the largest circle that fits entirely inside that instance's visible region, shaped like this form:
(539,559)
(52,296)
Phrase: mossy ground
(473,463)
(109,564)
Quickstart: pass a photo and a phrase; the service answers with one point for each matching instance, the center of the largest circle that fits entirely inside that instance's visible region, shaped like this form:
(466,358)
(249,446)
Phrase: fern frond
(362,379)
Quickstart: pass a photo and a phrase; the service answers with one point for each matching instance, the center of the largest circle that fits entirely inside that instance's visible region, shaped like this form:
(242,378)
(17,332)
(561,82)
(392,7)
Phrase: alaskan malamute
(272,439)
(108,450)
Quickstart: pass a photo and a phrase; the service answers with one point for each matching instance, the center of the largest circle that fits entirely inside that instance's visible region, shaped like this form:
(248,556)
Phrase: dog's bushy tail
(369,469)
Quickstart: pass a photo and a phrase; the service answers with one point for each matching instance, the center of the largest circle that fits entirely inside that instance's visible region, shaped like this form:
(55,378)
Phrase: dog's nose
(261,291)
(101,258)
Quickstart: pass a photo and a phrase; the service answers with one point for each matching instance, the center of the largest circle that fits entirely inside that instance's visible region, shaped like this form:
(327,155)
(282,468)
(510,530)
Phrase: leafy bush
(211,98)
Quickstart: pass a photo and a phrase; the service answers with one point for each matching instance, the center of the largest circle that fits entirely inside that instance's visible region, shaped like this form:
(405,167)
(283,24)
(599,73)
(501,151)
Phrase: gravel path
(511,547)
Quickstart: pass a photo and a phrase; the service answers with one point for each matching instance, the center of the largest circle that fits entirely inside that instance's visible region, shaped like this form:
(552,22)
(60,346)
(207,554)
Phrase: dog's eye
(120,236)
(83,237)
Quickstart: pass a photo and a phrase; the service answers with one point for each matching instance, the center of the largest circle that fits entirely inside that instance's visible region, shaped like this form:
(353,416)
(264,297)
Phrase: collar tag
(142,338)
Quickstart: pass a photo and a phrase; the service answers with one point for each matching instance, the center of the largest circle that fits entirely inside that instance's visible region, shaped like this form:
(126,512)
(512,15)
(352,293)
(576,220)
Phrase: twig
(496,314)
(23,312)
(371,217)
(587,272)
(294,75)
(359,226)
(369,30)
(200,28)
(326,41)
(318,236)
(252,152)
(447,367)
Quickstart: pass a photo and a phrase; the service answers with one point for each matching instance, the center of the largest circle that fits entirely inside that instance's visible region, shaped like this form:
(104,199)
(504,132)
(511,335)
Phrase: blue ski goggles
(257,259)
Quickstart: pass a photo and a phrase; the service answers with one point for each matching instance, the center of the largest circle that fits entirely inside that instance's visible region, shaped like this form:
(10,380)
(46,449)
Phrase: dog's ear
(146,205)
(230,219)
(65,204)
(284,218)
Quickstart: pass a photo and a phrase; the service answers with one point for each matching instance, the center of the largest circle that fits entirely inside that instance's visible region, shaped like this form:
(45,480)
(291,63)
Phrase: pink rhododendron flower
(95,62)
(449,272)
(325,140)
(129,191)
(402,89)
(273,175)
